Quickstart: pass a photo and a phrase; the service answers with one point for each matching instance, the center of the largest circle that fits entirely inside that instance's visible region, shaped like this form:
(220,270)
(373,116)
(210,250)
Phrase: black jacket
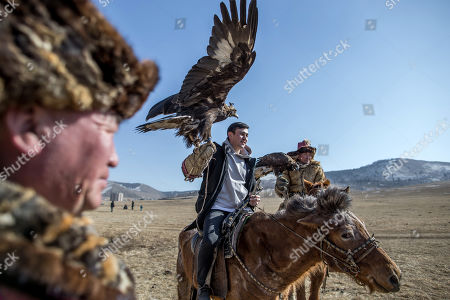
(213,177)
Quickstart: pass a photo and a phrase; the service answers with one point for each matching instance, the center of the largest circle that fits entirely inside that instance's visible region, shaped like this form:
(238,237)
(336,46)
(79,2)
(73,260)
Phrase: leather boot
(204,293)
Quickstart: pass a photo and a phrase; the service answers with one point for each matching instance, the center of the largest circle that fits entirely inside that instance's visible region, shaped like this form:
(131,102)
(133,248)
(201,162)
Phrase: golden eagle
(201,100)
(276,162)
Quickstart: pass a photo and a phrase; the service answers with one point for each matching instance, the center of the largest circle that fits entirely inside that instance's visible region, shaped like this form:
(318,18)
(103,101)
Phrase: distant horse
(313,188)
(267,261)
(310,188)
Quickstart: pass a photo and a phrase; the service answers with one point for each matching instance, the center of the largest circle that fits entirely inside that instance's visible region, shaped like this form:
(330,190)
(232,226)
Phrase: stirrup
(203,292)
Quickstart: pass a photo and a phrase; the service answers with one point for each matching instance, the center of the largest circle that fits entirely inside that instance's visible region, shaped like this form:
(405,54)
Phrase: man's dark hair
(232,128)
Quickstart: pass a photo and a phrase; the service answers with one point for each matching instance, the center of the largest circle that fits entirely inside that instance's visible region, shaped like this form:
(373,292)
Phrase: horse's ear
(326,183)
(347,189)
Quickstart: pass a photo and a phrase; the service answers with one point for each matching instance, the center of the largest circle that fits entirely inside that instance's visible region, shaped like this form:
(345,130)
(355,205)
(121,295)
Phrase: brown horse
(268,261)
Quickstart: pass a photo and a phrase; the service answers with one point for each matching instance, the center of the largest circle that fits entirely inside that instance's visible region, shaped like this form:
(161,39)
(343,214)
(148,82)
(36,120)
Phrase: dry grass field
(412,223)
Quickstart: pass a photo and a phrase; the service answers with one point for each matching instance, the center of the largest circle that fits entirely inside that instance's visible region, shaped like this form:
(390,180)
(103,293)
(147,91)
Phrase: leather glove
(194,165)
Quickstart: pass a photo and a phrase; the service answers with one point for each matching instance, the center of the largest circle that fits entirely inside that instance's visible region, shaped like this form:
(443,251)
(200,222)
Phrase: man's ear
(22,130)
(229,134)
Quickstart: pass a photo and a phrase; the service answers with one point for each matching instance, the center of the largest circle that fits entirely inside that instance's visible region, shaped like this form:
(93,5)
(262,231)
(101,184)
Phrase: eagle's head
(230,111)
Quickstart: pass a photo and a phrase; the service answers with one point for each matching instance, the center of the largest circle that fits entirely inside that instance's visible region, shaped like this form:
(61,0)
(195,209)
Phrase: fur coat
(48,253)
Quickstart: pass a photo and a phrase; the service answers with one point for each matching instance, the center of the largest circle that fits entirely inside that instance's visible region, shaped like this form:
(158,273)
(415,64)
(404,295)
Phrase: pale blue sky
(402,68)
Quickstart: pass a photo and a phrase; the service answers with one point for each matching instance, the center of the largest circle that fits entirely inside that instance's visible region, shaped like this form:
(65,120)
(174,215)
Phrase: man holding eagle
(292,170)
(291,182)
(228,180)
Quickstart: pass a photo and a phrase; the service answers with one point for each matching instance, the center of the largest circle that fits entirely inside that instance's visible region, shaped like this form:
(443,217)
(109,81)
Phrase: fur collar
(313,163)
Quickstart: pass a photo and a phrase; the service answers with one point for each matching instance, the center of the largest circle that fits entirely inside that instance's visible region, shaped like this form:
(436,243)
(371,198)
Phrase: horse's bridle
(349,263)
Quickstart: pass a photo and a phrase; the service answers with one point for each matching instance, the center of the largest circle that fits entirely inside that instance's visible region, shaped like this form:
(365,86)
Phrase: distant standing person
(141,207)
(132,205)
(112,206)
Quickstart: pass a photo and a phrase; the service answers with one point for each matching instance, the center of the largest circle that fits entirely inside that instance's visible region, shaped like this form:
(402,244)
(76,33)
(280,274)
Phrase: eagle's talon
(197,143)
(211,143)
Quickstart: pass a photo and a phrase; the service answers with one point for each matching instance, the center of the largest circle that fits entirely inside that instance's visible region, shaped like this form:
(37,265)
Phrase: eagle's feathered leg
(194,139)
(205,131)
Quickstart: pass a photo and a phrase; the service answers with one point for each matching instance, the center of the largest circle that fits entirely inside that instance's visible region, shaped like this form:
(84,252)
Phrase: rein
(350,265)
(250,274)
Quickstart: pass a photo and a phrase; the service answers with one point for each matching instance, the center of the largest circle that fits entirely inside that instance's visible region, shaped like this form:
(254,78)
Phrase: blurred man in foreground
(67,79)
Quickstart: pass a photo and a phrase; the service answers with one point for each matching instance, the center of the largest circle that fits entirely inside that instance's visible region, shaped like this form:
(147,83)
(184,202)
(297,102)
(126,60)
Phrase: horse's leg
(292,294)
(183,285)
(185,263)
(317,279)
(300,290)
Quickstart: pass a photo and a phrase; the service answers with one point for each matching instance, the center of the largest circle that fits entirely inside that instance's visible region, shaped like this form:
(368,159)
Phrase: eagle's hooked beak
(232,111)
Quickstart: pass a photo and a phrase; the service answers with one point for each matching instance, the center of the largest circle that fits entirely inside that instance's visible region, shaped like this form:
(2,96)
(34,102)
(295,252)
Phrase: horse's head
(346,244)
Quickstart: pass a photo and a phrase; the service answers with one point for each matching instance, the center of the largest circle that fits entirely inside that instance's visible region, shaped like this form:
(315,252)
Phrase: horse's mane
(327,201)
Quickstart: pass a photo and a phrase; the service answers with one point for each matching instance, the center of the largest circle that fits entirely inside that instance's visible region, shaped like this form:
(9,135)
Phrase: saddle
(231,229)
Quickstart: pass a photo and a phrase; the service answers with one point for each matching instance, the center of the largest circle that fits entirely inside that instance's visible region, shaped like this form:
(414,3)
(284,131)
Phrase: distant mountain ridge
(385,173)
(392,173)
(139,191)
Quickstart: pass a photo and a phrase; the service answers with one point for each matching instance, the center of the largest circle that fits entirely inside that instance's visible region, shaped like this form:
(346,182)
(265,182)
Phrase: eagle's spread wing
(276,159)
(262,171)
(201,100)
(277,162)
(230,56)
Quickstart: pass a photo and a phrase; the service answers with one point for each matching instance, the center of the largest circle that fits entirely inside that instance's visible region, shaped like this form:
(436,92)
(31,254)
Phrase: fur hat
(65,55)
(302,147)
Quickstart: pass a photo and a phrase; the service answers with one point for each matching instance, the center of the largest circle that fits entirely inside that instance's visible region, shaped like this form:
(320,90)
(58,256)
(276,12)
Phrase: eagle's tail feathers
(169,122)
(165,106)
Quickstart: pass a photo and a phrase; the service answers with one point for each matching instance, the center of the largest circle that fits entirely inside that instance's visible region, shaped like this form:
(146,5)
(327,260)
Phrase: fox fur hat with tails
(65,55)
(302,147)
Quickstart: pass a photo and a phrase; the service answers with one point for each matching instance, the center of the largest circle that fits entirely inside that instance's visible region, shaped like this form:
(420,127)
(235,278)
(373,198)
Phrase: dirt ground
(412,223)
